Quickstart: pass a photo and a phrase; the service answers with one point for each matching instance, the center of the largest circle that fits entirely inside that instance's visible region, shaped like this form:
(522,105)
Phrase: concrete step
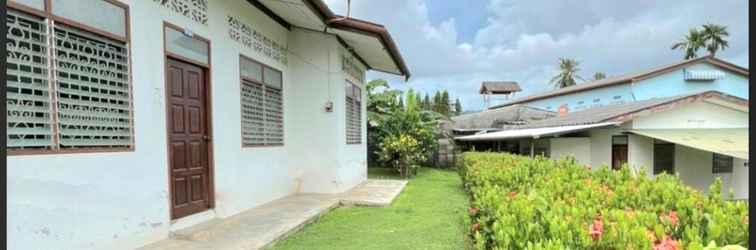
(264,225)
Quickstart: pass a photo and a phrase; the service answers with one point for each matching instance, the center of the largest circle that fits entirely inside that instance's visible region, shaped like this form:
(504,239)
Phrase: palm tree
(714,37)
(692,42)
(599,76)
(568,73)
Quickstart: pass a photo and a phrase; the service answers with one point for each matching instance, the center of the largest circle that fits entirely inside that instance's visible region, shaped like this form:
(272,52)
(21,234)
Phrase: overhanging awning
(730,141)
(531,132)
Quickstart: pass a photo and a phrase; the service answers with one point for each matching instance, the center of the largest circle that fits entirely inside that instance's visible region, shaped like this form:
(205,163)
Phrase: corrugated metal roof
(499,87)
(627,78)
(499,118)
(732,141)
(627,111)
(599,114)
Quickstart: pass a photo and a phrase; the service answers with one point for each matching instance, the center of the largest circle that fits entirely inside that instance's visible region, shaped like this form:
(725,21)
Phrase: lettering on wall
(351,66)
(251,38)
(193,9)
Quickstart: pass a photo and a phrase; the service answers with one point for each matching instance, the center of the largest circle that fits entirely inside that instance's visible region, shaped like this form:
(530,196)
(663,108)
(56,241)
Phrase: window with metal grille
(353,109)
(721,164)
(261,104)
(68,82)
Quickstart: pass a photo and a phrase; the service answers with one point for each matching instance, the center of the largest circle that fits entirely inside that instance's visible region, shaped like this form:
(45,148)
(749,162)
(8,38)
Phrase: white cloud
(522,40)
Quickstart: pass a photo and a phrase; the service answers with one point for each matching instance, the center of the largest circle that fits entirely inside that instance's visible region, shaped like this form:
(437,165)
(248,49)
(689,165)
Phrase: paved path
(265,224)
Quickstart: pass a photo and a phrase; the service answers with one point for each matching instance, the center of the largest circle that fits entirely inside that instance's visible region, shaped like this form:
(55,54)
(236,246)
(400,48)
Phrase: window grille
(353,109)
(67,87)
(28,90)
(721,164)
(92,78)
(253,125)
(273,116)
(262,104)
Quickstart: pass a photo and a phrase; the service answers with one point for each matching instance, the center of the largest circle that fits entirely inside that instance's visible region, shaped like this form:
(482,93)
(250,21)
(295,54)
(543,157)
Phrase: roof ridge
(623,78)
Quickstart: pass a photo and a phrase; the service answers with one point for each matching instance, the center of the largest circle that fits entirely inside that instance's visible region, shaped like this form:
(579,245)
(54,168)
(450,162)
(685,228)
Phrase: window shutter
(353,113)
(253,126)
(273,116)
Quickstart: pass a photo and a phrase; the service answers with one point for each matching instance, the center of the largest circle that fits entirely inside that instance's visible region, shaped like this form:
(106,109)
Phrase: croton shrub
(523,203)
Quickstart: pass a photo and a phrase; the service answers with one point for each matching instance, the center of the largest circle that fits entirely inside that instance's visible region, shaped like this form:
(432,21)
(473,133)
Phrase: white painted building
(699,137)
(138,117)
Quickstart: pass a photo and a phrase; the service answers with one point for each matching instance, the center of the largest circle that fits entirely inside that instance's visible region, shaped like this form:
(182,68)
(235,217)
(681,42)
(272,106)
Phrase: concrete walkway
(263,225)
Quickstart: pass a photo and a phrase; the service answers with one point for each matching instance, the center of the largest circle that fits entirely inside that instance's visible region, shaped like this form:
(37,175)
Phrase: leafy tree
(419,99)
(399,136)
(381,98)
(445,103)
(426,102)
(457,107)
(599,76)
(568,69)
(714,37)
(436,104)
(690,44)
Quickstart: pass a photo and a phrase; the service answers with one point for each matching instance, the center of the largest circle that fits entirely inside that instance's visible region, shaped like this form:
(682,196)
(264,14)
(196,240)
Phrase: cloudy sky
(456,44)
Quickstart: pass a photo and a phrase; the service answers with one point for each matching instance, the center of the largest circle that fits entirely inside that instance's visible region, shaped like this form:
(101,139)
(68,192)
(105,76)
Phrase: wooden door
(188,141)
(619,156)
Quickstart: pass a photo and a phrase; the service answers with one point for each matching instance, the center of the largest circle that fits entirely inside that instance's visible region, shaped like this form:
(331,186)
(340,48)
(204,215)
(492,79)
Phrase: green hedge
(523,203)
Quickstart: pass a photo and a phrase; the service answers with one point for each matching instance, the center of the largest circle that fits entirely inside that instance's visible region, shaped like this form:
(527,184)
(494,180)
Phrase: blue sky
(456,44)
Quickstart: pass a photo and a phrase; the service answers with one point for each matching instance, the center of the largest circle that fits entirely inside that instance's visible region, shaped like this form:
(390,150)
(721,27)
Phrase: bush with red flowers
(524,203)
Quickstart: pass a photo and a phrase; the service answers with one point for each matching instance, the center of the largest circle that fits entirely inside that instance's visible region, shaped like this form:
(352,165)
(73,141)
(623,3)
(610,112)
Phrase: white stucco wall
(578,147)
(640,154)
(693,166)
(322,161)
(740,179)
(695,169)
(121,200)
(694,115)
(601,146)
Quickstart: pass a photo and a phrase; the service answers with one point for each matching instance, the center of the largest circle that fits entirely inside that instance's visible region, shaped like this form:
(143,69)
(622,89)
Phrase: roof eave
(375,30)
(350,24)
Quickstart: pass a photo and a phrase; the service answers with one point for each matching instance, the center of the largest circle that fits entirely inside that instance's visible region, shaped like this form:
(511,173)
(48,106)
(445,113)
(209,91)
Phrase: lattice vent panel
(196,10)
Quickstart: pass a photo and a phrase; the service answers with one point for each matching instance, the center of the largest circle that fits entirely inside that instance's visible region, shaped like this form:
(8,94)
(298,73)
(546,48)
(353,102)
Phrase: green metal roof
(727,141)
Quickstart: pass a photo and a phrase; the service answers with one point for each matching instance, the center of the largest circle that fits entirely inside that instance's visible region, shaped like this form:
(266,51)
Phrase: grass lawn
(429,214)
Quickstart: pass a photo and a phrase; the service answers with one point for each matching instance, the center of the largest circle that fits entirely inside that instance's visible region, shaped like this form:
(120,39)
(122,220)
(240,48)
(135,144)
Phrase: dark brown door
(188,139)
(619,156)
